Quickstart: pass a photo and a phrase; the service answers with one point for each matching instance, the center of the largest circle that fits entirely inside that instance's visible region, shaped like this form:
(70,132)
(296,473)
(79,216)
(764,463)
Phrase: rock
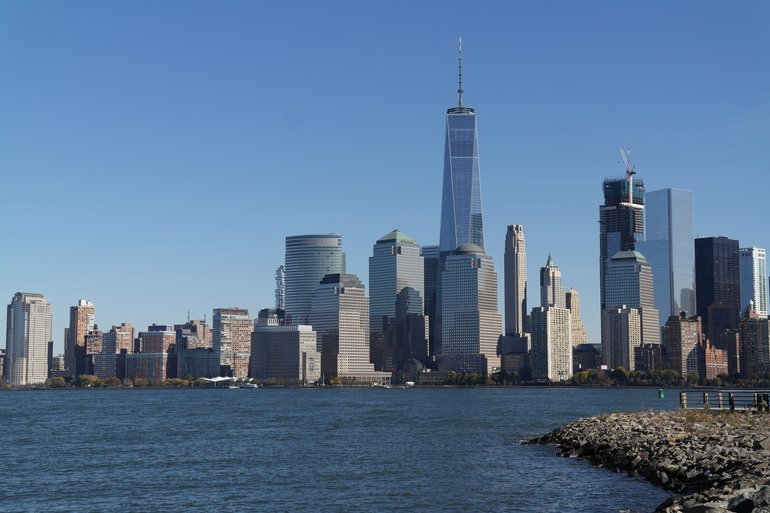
(740,505)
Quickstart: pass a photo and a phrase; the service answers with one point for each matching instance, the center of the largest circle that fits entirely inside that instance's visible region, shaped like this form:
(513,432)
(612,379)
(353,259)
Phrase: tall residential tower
(26,342)
(515,281)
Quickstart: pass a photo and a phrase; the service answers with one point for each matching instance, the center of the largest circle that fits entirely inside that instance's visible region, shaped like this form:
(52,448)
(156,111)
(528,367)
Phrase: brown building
(648,357)
(681,338)
(755,345)
(714,361)
(232,340)
(81,322)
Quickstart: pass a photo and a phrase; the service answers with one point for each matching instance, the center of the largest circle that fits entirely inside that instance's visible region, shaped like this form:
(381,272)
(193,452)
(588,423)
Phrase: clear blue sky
(154,155)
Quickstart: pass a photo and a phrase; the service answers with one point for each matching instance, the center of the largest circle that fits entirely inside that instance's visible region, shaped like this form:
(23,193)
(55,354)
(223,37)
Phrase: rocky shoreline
(711,461)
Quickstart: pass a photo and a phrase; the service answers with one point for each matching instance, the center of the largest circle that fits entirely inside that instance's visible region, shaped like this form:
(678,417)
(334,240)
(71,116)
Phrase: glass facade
(717,284)
(471,322)
(308,259)
(753,276)
(670,251)
(629,284)
(461,218)
(396,268)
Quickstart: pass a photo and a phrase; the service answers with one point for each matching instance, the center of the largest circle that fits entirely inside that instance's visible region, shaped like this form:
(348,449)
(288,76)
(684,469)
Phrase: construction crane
(630,171)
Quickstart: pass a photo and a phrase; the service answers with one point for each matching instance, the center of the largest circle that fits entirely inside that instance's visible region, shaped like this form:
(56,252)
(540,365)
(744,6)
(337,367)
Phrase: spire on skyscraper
(460,72)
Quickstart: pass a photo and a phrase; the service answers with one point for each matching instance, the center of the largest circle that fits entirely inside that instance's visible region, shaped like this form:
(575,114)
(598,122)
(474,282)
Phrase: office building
(461,217)
(308,259)
(430,255)
(551,291)
(28,331)
(621,222)
(572,303)
(199,362)
(280,287)
(396,271)
(753,284)
(515,281)
(340,317)
(717,284)
(471,321)
(629,282)
(232,340)
(81,322)
(669,250)
(285,354)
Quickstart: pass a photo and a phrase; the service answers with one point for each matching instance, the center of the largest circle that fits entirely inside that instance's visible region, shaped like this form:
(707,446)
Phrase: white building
(27,335)
(551,353)
(551,291)
(753,280)
(515,268)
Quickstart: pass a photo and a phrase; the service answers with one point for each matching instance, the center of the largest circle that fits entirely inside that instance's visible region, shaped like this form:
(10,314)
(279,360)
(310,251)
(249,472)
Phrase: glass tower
(308,259)
(396,268)
(670,251)
(461,219)
(717,284)
(753,275)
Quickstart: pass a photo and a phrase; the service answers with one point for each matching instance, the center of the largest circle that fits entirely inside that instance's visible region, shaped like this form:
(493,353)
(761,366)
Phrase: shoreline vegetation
(712,462)
(618,377)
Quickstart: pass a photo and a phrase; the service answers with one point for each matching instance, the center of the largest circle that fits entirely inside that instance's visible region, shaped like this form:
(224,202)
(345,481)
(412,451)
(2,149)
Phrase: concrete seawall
(712,462)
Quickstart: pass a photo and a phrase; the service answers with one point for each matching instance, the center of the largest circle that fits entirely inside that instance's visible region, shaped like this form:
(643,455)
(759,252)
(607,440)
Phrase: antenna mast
(460,72)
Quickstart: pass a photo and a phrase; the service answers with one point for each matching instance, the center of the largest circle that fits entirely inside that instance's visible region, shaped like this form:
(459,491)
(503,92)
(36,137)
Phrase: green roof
(396,236)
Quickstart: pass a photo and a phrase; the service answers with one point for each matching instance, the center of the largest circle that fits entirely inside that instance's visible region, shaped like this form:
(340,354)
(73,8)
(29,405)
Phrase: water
(426,450)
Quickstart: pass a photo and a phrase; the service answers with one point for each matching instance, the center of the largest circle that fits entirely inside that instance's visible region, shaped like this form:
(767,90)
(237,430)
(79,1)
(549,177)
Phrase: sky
(155,155)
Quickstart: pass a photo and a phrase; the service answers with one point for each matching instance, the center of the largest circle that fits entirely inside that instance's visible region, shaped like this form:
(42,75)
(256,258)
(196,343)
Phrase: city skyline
(148,153)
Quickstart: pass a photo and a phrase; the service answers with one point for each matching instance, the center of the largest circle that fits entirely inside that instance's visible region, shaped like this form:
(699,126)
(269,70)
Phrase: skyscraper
(572,303)
(232,339)
(621,221)
(681,337)
(669,250)
(395,267)
(81,322)
(717,284)
(551,291)
(308,259)
(430,255)
(551,354)
(515,281)
(340,317)
(280,287)
(28,332)
(629,283)
(471,321)
(461,218)
(622,335)
(753,275)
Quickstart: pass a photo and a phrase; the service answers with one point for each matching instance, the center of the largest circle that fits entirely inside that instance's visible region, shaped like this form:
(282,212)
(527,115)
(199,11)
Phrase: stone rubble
(714,462)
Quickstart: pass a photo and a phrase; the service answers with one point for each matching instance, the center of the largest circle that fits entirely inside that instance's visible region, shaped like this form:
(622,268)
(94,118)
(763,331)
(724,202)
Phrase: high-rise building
(621,222)
(717,284)
(461,218)
(340,317)
(396,269)
(551,353)
(753,284)
(430,255)
(551,291)
(118,339)
(28,331)
(308,259)
(682,336)
(572,303)
(622,336)
(81,322)
(286,354)
(194,334)
(280,287)
(515,281)
(232,340)
(755,345)
(669,250)
(471,321)
(628,282)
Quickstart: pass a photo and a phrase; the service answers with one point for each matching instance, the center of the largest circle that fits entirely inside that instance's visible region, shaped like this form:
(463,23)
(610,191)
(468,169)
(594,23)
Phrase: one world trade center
(461,219)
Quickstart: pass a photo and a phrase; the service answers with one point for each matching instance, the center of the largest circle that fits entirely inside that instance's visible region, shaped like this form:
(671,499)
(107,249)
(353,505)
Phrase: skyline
(111,105)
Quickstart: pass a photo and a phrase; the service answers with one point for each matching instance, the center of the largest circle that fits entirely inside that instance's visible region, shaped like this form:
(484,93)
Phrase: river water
(321,449)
